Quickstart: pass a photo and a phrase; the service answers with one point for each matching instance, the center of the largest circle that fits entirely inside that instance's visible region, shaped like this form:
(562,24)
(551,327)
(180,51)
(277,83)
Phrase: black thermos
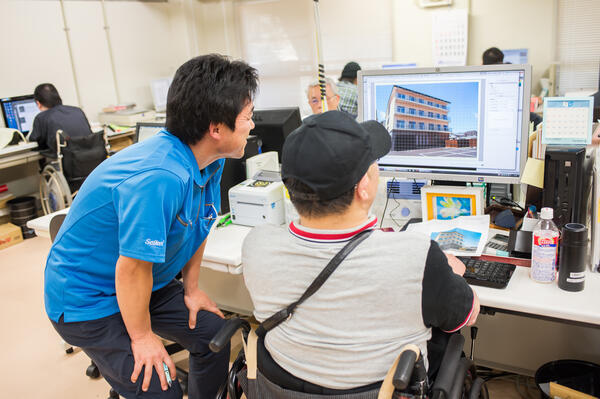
(573,257)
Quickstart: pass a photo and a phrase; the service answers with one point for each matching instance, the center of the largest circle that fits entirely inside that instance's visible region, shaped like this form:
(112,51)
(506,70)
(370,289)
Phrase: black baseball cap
(331,152)
(350,70)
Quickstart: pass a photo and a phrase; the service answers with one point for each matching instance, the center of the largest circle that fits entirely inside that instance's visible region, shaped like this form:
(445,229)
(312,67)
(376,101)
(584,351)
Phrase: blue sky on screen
(463,97)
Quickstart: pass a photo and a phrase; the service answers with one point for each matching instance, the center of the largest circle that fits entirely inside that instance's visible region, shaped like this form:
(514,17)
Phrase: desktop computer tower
(568,176)
(234,171)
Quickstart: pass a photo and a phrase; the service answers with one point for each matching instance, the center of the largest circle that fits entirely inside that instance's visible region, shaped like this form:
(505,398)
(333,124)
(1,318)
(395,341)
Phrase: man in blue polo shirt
(142,217)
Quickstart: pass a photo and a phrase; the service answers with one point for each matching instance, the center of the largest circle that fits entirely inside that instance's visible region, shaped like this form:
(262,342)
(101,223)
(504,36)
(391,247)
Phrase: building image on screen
(433,120)
(451,123)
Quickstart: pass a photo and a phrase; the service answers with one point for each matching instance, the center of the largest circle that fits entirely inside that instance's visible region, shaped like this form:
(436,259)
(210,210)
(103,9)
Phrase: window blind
(578,45)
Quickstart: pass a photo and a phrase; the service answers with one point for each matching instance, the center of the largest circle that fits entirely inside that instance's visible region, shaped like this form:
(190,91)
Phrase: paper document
(533,174)
(464,236)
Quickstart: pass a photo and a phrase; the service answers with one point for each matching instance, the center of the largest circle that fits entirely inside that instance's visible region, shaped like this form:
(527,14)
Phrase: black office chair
(456,378)
(65,170)
(92,370)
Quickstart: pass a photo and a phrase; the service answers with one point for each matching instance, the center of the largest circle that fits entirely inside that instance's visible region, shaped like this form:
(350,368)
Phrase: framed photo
(449,202)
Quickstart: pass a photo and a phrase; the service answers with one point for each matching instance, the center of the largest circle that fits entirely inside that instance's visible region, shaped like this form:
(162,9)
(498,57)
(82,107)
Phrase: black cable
(507,202)
(387,198)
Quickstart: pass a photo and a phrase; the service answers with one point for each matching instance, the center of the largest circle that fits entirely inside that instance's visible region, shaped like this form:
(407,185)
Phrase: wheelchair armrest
(450,362)
(404,369)
(223,336)
(459,379)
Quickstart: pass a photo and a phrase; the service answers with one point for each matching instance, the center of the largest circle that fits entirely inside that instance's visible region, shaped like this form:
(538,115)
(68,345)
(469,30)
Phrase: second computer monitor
(453,123)
(144,130)
(19,112)
(272,126)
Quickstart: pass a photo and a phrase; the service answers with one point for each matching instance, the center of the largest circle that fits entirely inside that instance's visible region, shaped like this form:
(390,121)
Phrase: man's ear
(361,187)
(214,130)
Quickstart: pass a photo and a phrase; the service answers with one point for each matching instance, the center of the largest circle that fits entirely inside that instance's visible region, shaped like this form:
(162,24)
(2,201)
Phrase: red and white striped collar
(329,236)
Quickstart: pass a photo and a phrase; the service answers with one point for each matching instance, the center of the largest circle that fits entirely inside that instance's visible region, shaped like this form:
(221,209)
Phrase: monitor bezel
(526,68)
(4,100)
(145,124)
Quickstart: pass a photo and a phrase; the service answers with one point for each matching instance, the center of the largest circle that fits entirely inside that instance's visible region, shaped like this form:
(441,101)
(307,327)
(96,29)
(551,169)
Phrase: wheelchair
(407,378)
(65,170)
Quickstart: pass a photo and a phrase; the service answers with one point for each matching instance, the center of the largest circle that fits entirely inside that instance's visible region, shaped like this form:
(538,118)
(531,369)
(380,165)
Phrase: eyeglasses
(213,214)
(318,100)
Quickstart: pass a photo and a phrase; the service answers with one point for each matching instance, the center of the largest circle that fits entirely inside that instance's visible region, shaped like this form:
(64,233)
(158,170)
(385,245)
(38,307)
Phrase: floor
(35,364)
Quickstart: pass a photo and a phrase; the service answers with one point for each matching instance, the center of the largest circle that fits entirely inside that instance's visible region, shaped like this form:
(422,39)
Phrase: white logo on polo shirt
(154,243)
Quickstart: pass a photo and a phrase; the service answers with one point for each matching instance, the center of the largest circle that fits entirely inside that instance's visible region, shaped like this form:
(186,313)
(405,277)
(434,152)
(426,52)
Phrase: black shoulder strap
(287,312)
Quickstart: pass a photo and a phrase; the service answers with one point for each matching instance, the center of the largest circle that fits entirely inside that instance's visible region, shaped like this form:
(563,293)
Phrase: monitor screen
(272,126)
(19,112)
(452,123)
(515,56)
(145,130)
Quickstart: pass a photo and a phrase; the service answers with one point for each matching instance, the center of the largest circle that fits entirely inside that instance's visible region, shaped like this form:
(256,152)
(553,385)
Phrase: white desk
(521,296)
(41,225)
(222,264)
(18,154)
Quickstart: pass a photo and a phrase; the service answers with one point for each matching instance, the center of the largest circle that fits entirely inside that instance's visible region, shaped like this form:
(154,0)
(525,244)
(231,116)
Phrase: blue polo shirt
(150,202)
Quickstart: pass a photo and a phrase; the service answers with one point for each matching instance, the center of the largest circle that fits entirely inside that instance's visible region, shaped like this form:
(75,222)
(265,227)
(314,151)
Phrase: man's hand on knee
(148,353)
(197,300)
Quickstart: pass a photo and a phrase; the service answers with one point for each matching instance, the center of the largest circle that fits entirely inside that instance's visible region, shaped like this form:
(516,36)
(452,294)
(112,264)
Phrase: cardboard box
(10,235)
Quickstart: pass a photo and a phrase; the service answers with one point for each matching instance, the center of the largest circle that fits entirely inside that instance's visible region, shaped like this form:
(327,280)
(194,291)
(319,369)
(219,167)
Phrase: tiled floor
(34,363)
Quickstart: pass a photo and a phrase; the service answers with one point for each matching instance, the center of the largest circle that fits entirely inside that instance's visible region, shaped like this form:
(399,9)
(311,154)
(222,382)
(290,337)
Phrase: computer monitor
(272,126)
(453,123)
(144,130)
(19,112)
(160,89)
(515,56)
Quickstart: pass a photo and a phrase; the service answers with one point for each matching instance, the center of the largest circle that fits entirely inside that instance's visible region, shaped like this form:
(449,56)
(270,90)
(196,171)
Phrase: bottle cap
(547,213)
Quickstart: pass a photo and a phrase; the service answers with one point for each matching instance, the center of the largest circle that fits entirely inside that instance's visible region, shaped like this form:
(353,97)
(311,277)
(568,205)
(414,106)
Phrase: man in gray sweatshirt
(390,291)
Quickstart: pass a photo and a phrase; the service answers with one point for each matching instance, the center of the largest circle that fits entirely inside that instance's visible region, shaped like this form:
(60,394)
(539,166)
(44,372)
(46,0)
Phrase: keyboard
(487,273)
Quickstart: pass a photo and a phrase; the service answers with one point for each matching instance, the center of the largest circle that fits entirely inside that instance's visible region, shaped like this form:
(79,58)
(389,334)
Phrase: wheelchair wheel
(54,190)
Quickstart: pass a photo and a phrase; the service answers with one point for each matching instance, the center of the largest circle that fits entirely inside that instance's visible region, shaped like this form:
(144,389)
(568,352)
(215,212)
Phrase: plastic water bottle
(544,249)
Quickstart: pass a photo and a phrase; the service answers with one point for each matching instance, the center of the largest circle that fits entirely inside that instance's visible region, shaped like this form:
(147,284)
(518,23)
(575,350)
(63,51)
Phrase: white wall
(506,24)
(149,40)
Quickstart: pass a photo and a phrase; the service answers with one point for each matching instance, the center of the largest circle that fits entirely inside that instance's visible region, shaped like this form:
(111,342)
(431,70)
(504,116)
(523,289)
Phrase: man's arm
(133,283)
(195,299)
(448,302)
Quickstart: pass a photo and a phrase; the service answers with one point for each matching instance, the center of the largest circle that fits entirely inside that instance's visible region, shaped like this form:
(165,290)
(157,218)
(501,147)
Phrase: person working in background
(348,90)
(313,94)
(142,217)
(389,291)
(54,116)
(493,56)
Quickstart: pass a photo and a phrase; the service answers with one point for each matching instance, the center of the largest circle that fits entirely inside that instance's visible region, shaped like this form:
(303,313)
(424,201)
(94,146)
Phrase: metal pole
(110,53)
(320,57)
(66,29)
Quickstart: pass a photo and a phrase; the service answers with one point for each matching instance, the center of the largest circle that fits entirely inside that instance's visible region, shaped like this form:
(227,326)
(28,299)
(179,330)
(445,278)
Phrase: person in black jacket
(53,116)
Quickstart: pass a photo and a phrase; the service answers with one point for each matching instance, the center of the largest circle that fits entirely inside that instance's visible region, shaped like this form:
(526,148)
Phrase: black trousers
(107,343)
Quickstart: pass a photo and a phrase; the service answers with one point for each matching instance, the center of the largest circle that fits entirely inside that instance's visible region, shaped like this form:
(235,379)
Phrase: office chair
(92,370)
(456,378)
(64,173)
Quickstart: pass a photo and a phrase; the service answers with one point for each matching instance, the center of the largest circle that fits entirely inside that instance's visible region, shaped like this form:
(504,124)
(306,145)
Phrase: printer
(257,201)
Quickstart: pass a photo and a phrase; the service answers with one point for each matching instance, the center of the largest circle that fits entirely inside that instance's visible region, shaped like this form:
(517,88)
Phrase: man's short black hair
(47,95)
(307,204)
(205,89)
(492,56)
